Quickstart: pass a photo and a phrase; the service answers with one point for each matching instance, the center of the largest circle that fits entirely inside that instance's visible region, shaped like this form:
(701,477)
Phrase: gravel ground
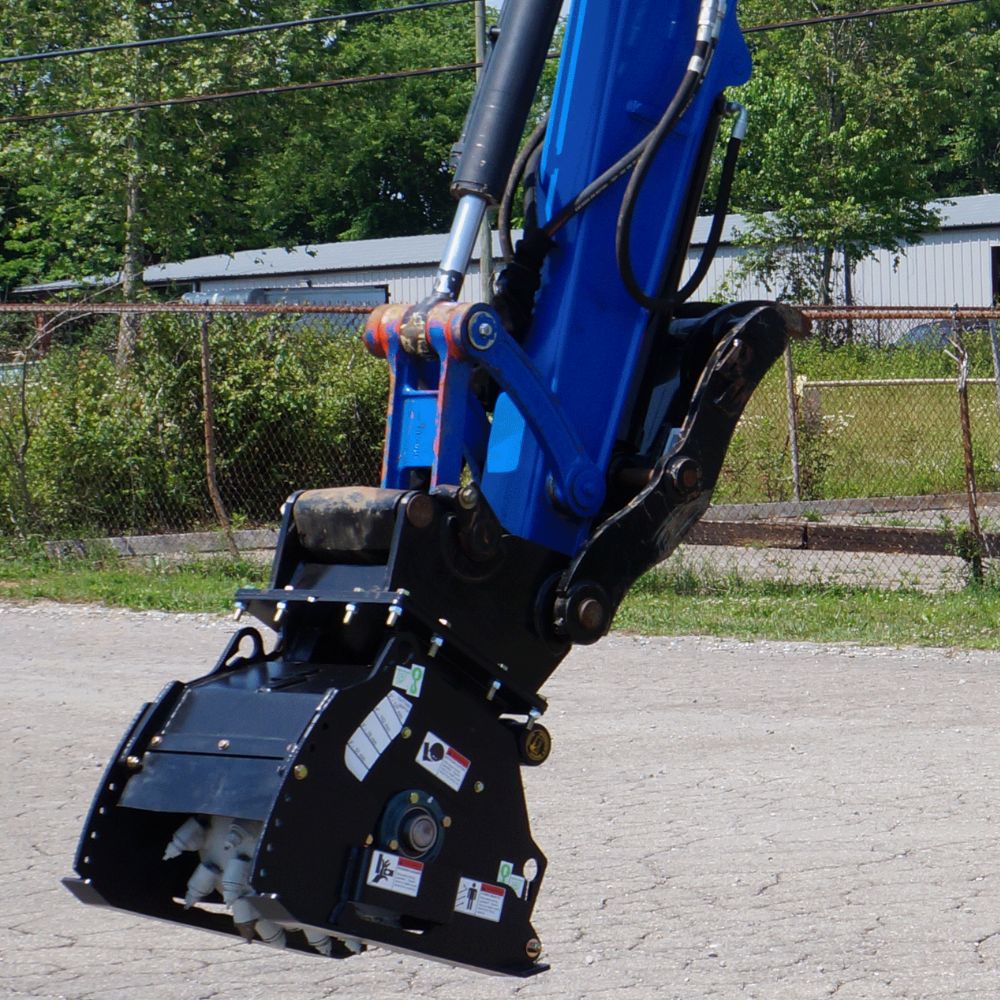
(722,819)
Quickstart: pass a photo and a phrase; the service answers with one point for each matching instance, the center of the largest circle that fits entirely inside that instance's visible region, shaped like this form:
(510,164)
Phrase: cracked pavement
(722,819)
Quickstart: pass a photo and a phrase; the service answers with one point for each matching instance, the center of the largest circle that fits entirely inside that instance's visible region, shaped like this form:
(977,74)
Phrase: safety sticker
(480,899)
(443,761)
(378,729)
(506,876)
(396,874)
(409,679)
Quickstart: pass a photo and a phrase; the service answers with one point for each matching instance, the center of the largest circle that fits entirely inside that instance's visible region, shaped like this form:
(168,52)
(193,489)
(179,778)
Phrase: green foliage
(354,162)
(855,127)
(109,452)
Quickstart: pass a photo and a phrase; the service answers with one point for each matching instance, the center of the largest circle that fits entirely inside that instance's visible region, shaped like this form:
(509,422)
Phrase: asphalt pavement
(721,819)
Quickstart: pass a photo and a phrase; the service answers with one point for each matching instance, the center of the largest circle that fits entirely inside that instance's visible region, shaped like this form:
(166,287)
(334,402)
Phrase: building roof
(414,251)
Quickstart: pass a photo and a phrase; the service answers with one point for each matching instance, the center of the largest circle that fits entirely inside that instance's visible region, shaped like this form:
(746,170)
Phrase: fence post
(995,348)
(208,418)
(976,543)
(793,431)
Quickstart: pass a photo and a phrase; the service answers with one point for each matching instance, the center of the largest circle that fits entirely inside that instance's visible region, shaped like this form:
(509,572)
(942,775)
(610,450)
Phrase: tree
(111,193)
(852,124)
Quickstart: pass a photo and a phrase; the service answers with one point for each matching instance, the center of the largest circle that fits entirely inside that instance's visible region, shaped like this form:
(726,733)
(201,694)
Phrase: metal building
(957,264)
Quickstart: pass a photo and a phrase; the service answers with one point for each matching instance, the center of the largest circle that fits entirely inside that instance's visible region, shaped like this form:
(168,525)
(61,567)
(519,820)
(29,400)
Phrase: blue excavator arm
(356,781)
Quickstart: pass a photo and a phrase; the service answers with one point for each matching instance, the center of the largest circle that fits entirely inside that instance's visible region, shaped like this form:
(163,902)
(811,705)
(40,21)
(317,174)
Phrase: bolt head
(223,744)
(300,772)
(478,787)
(533,948)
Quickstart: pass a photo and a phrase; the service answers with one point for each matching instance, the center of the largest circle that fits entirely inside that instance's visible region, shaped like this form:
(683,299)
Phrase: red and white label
(443,761)
(480,899)
(396,874)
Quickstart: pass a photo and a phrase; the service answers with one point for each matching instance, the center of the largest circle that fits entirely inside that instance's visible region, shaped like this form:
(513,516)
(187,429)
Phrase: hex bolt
(300,772)
(223,744)
(478,787)
(394,613)
(406,732)
(492,693)
(393,845)
(133,763)
(279,612)
(369,840)
(156,741)
(238,613)
(349,612)
(414,798)
(446,822)
(435,647)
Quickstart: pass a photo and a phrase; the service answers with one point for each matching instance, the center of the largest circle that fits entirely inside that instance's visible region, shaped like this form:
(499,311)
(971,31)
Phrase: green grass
(202,585)
(662,603)
(687,604)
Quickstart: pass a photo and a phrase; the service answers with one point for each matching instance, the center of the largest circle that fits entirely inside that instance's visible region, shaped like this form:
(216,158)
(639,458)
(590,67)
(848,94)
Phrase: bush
(85,449)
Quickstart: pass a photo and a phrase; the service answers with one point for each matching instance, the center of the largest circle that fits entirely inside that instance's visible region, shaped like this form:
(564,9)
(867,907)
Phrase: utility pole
(485,232)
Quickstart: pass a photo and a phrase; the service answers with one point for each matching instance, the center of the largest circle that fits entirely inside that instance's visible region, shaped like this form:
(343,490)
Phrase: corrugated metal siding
(948,268)
(406,284)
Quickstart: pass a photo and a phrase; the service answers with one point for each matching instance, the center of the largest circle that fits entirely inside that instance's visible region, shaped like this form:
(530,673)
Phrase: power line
(903,8)
(426,71)
(228,32)
(289,88)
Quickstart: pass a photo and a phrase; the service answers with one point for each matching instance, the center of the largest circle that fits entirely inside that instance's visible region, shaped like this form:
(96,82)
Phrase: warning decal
(395,874)
(480,899)
(409,679)
(379,728)
(443,761)
(506,876)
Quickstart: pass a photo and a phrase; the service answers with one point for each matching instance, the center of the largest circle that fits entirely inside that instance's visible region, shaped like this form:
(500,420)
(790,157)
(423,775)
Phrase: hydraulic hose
(720,210)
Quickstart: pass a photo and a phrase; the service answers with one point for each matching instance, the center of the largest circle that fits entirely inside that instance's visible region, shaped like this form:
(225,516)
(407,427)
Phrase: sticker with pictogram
(480,899)
(395,874)
(443,761)
(409,679)
(506,876)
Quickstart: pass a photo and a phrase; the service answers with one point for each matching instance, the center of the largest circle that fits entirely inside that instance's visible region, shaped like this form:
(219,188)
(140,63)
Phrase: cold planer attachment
(359,782)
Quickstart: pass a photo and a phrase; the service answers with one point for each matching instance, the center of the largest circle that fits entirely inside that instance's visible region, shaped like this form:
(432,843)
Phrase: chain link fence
(871,456)
(218,416)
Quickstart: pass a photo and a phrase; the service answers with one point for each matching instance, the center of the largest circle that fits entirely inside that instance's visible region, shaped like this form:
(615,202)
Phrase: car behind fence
(871,456)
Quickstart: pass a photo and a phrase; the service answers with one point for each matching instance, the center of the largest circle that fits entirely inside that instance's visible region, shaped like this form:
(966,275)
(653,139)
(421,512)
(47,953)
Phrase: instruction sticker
(395,874)
(443,761)
(378,729)
(409,679)
(480,899)
(506,876)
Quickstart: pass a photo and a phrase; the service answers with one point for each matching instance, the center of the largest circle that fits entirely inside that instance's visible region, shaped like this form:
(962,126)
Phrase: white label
(395,874)
(409,679)
(379,728)
(506,876)
(443,761)
(480,899)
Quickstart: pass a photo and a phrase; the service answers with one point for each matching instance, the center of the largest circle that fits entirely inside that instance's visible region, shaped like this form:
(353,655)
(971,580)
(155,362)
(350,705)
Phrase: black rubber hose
(718,219)
(623,231)
(505,212)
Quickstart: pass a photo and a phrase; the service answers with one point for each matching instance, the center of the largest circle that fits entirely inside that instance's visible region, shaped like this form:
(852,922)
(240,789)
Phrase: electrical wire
(581,201)
(856,15)
(289,88)
(228,32)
